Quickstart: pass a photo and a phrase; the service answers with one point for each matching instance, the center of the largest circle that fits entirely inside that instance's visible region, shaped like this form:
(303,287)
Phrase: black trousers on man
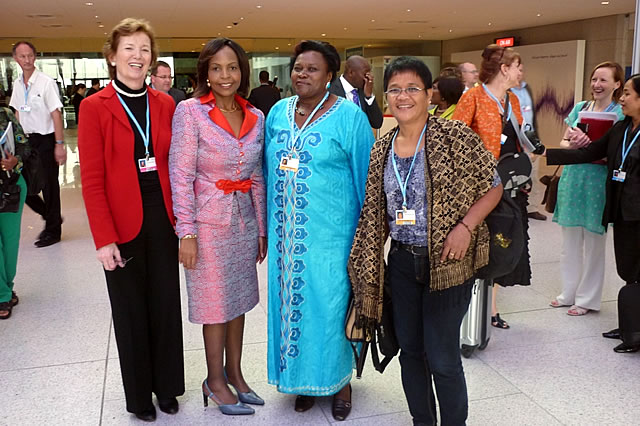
(49,205)
(147,320)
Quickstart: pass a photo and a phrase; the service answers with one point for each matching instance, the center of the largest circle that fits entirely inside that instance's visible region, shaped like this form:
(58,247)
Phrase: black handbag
(551,192)
(10,195)
(507,238)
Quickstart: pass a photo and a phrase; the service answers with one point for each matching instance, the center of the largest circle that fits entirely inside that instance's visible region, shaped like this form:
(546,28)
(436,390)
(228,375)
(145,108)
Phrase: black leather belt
(414,250)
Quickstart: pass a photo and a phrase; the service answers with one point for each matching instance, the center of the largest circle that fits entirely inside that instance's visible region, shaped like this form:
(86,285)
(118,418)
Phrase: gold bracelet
(189,237)
(465,225)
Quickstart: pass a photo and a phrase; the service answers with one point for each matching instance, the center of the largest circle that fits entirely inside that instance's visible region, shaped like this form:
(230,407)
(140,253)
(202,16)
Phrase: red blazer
(109,177)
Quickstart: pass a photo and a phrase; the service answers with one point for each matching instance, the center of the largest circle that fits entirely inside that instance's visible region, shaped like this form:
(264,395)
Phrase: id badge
(287,162)
(24,108)
(147,164)
(405,217)
(503,139)
(619,176)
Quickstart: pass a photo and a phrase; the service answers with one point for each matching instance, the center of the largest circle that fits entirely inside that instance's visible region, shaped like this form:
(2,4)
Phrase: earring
(113,64)
(328,85)
(208,84)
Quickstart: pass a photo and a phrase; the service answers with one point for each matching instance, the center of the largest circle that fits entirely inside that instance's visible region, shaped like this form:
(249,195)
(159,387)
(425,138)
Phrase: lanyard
(403,186)
(498,102)
(144,136)
(610,108)
(27,88)
(292,124)
(625,150)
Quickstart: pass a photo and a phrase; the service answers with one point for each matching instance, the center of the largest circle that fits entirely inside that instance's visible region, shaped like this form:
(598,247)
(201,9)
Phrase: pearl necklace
(131,95)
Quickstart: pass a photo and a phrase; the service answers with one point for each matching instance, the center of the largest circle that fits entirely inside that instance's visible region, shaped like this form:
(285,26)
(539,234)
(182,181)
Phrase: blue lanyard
(144,136)
(403,186)
(292,124)
(498,102)
(625,150)
(26,90)
(610,108)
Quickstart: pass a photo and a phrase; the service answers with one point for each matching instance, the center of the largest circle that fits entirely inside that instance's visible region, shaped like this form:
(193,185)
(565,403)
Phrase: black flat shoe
(46,241)
(625,348)
(168,405)
(304,403)
(148,415)
(340,408)
(14,299)
(5,309)
(613,334)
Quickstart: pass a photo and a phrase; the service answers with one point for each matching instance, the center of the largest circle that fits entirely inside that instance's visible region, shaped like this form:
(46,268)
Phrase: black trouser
(145,303)
(429,338)
(626,243)
(49,207)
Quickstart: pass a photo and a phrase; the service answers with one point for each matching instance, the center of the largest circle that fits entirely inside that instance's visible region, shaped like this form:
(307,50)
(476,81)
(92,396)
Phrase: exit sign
(505,42)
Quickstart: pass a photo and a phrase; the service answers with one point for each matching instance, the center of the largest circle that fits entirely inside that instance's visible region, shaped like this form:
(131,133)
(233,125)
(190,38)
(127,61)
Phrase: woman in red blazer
(123,142)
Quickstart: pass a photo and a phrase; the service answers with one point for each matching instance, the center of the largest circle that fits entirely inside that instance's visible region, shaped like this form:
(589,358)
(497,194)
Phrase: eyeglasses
(408,90)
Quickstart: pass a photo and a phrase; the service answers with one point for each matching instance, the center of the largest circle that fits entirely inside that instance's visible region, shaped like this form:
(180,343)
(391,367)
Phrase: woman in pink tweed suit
(215,165)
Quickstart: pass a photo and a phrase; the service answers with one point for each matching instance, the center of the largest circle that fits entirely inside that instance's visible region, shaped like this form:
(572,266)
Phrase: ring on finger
(451,255)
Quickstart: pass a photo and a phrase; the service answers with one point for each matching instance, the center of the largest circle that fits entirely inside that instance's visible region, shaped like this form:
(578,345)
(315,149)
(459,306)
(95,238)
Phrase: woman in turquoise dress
(581,199)
(316,159)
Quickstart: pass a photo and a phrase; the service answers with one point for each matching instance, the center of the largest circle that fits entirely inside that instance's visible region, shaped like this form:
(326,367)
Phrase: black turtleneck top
(150,188)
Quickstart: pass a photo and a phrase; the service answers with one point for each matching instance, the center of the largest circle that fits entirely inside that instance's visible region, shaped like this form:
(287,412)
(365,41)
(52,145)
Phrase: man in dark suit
(95,87)
(161,80)
(356,84)
(264,96)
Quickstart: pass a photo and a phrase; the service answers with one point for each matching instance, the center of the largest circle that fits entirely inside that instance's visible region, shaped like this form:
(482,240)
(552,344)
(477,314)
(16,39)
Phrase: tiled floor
(58,361)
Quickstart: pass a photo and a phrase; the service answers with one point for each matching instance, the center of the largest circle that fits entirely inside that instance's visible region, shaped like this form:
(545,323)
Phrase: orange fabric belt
(229,186)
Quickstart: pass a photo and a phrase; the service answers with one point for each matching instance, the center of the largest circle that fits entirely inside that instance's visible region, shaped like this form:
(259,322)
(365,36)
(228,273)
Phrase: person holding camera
(487,109)
(581,199)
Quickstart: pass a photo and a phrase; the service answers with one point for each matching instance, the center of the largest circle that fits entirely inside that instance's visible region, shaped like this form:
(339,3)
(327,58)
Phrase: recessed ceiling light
(408,10)
(229,26)
(218,33)
(368,45)
(373,20)
(539,15)
(193,51)
(201,44)
(96,16)
(345,28)
(489,23)
(100,26)
(259,7)
(88,3)
(604,2)
(277,48)
(105,33)
(323,34)
(288,44)
(419,35)
(450,31)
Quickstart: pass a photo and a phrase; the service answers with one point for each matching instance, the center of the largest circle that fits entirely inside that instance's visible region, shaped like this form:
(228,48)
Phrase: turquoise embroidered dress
(581,190)
(311,217)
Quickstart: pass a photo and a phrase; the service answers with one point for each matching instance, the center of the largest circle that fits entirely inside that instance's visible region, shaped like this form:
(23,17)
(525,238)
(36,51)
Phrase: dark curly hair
(328,52)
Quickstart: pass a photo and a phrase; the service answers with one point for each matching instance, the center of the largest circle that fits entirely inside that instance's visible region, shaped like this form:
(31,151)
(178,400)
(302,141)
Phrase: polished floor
(59,362)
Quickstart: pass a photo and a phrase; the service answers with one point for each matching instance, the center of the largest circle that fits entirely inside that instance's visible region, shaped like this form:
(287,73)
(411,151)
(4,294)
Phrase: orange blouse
(481,113)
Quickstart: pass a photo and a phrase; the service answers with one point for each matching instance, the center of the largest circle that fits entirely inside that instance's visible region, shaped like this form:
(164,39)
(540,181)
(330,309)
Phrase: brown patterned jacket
(458,171)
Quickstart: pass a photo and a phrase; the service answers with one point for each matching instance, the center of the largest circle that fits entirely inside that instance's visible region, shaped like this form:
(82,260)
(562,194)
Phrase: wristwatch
(59,142)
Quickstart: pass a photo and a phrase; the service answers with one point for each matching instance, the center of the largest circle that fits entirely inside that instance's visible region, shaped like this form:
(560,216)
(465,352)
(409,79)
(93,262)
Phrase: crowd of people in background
(221,176)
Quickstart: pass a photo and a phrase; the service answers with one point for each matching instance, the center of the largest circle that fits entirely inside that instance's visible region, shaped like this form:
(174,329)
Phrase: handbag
(382,339)
(507,238)
(10,195)
(551,191)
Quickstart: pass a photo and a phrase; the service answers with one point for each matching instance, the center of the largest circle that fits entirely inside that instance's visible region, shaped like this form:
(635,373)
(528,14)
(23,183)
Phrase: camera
(530,140)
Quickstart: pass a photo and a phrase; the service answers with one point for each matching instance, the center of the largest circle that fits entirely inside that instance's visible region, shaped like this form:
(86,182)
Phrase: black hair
(95,81)
(208,51)
(80,86)
(328,52)
(451,89)
(635,82)
(408,63)
(264,75)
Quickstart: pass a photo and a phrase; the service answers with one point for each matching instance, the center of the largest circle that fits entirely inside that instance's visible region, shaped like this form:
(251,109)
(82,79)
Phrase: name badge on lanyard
(25,107)
(405,216)
(289,163)
(147,164)
(619,175)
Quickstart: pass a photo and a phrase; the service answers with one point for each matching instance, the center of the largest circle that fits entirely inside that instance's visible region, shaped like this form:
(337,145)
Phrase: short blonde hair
(127,27)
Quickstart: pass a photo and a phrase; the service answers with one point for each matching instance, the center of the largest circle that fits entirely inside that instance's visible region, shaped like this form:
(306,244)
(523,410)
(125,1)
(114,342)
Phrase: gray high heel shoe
(247,397)
(237,409)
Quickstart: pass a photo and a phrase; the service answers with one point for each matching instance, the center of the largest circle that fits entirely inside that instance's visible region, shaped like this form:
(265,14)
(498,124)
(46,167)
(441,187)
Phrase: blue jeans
(428,332)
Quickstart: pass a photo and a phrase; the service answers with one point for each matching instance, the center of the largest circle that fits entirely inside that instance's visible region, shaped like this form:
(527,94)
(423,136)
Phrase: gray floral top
(416,198)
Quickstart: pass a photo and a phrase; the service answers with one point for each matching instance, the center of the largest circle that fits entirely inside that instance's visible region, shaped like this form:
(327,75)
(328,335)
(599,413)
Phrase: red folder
(598,123)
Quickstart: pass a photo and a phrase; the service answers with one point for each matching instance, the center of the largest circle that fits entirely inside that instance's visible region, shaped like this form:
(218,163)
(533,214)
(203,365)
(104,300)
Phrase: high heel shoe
(247,397)
(237,409)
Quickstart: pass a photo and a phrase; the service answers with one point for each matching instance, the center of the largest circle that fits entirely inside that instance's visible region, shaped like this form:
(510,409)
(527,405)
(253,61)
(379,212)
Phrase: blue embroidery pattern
(291,192)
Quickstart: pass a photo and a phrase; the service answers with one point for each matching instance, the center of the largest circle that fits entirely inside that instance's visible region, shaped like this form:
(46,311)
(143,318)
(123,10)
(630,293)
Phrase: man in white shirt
(356,84)
(36,100)
(469,75)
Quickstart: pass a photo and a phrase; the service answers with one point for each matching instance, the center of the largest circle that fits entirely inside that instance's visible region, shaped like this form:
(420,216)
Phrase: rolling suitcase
(475,330)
